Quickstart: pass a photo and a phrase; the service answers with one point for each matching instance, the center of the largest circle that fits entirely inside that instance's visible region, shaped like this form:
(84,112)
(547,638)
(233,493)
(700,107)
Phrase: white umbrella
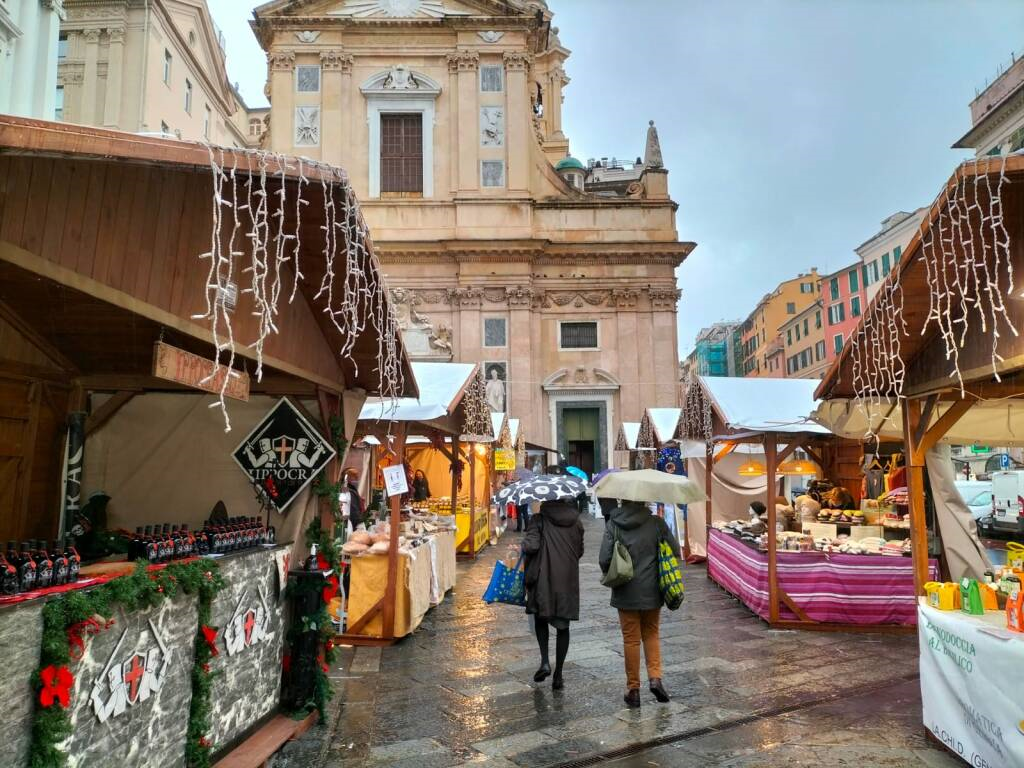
(649,485)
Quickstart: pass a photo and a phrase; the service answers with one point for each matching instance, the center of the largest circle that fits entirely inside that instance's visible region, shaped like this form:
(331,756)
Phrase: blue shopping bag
(508,585)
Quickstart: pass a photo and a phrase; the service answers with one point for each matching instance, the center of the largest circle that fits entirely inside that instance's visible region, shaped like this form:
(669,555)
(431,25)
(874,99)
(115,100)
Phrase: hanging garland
(321,487)
(696,422)
(477,426)
(69,616)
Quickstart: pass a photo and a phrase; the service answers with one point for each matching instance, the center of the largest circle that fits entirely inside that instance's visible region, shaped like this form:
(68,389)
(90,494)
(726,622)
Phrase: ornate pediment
(385,10)
(402,9)
(401,81)
(581,380)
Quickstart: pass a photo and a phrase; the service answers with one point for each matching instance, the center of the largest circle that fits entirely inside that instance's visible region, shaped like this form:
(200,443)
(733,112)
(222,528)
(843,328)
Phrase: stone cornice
(661,297)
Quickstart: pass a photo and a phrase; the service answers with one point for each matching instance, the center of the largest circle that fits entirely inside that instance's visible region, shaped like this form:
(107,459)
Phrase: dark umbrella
(542,488)
(523,474)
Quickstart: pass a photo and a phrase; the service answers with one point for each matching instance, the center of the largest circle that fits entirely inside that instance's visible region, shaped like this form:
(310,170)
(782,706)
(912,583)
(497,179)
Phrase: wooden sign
(183,367)
(504,459)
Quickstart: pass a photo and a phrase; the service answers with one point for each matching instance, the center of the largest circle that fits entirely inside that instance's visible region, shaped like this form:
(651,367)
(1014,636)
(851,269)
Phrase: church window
(492,173)
(167,66)
(495,332)
(255,127)
(62,46)
(307,79)
(58,109)
(577,335)
(188,96)
(491,78)
(401,153)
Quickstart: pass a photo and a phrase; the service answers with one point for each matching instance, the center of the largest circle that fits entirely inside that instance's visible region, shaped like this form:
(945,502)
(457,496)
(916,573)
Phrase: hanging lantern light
(796,467)
(752,468)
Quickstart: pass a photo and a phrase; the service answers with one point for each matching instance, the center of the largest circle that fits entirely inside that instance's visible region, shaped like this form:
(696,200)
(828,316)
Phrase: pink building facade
(844,299)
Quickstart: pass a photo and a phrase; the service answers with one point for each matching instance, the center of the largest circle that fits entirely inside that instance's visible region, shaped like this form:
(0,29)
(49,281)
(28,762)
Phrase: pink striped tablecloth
(844,589)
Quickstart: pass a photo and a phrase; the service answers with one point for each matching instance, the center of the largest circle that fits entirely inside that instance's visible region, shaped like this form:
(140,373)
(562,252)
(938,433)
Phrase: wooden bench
(255,751)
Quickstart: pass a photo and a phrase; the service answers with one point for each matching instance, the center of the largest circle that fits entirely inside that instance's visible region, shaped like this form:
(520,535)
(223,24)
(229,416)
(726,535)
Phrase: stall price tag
(504,459)
(395,482)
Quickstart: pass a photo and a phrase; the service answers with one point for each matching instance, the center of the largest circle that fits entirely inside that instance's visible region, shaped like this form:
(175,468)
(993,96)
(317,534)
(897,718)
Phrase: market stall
(808,567)
(626,456)
(399,568)
(116,260)
(937,360)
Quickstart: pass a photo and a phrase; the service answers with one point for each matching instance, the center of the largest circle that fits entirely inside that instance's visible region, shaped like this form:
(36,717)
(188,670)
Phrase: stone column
(115,67)
(90,76)
(466,106)
(558,81)
(519,120)
(281,65)
(337,76)
(522,383)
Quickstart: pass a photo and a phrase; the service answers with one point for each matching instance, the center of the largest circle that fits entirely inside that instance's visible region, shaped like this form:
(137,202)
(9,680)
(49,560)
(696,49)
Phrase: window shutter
(401,153)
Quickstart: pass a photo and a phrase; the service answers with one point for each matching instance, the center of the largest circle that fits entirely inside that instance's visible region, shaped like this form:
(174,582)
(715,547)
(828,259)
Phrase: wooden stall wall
(34,392)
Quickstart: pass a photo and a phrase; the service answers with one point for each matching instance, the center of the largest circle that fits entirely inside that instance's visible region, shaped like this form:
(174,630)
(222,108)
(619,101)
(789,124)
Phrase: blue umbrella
(577,472)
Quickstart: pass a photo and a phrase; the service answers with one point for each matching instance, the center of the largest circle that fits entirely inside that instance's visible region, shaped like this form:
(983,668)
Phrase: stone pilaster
(281,66)
(336,86)
(90,76)
(517,69)
(558,80)
(466,64)
(115,72)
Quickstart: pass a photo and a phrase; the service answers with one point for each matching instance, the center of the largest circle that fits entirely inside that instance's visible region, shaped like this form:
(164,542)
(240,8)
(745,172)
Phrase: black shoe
(632,698)
(659,690)
(542,674)
(557,683)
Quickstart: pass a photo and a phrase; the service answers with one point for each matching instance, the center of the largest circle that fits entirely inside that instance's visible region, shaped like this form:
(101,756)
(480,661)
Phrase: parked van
(1007,504)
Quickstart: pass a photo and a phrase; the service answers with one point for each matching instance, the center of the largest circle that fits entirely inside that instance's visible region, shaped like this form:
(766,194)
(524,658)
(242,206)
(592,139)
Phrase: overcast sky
(790,128)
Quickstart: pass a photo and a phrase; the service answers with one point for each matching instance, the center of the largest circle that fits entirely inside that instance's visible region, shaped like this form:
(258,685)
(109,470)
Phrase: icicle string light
(262,241)
(696,419)
(965,248)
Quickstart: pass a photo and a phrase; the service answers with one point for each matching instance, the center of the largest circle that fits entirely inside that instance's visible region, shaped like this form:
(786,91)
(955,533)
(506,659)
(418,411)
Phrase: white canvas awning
(988,422)
(764,405)
(664,422)
(441,386)
(629,431)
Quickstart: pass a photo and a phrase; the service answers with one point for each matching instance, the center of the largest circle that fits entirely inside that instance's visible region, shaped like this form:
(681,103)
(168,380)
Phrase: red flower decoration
(57,682)
(331,590)
(205,743)
(210,636)
(77,632)
(206,668)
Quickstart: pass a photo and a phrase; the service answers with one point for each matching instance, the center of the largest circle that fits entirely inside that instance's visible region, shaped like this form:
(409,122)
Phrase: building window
(62,46)
(817,319)
(207,118)
(896,253)
(401,153)
(834,288)
(871,273)
(836,314)
(492,173)
(790,308)
(805,358)
(167,66)
(255,127)
(797,331)
(854,282)
(806,287)
(495,332)
(491,78)
(819,351)
(837,343)
(188,96)
(855,306)
(789,337)
(577,335)
(58,104)
(807,330)
(885,263)
(307,78)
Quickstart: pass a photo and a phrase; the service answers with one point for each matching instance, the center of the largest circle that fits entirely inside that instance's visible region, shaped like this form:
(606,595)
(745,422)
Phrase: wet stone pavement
(460,691)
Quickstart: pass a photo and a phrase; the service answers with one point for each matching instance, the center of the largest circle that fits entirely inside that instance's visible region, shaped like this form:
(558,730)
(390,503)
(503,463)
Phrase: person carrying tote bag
(639,599)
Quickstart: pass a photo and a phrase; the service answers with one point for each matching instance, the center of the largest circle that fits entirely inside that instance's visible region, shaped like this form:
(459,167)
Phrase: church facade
(500,248)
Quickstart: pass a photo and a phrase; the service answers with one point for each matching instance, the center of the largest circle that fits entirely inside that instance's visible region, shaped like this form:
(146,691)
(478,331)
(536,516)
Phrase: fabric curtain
(731,496)
(964,552)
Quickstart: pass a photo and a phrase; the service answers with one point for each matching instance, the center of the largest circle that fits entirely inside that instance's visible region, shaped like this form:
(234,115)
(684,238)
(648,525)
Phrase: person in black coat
(553,546)
(639,600)
(420,486)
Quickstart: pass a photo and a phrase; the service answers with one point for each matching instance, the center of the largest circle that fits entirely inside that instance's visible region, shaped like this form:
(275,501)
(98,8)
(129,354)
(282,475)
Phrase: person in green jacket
(639,600)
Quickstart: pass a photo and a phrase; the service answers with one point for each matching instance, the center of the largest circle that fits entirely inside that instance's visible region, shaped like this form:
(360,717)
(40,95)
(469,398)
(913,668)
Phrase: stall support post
(395,502)
(915,492)
(709,469)
(456,453)
(773,582)
(472,500)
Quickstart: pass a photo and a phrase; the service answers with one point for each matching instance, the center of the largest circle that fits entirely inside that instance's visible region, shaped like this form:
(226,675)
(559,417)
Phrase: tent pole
(391,590)
(773,579)
(708,475)
(915,493)
(472,500)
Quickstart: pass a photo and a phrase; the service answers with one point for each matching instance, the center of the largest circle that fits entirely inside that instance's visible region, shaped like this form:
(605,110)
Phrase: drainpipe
(144,68)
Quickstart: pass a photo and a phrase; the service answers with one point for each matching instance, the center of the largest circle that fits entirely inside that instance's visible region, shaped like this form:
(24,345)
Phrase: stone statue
(495,392)
(442,339)
(652,154)
(401,79)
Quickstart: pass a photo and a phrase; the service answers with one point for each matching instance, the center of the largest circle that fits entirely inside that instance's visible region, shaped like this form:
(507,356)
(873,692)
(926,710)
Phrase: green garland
(318,621)
(139,590)
(332,491)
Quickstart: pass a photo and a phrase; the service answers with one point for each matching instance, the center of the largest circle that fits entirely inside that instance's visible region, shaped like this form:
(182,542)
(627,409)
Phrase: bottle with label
(168,540)
(44,566)
(73,558)
(26,568)
(136,549)
(8,576)
(60,564)
(312,561)
(178,542)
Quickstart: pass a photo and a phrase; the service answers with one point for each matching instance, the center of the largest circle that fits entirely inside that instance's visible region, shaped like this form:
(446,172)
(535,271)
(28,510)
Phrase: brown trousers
(641,627)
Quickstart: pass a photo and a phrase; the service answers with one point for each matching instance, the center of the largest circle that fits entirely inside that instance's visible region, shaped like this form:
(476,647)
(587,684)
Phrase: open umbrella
(541,488)
(649,485)
(577,472)
(604,472)
(523,474)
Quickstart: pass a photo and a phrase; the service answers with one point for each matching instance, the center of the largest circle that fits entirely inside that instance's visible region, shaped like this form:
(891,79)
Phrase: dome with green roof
(569,163)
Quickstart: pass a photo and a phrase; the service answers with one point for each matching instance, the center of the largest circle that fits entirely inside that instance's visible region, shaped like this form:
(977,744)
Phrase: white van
(1007,503)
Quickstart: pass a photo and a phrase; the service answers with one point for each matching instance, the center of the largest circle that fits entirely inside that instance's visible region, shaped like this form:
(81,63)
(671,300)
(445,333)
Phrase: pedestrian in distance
(522,517)
(553,546)
(420,486)
(639,600)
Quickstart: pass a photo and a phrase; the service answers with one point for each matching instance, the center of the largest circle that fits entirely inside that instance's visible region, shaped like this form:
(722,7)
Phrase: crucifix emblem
(249,624)
(282,447)
(134,669)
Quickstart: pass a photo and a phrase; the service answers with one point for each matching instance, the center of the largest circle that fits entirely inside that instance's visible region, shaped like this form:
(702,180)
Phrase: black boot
(659,690)
(632,698)
(543,673)
(557,683)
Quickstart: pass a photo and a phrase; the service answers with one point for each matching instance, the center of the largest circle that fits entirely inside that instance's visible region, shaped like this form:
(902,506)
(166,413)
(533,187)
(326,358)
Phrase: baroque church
(500,247)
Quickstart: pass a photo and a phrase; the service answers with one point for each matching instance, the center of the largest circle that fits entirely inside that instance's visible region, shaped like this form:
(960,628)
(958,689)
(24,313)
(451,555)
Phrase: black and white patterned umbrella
(542,488)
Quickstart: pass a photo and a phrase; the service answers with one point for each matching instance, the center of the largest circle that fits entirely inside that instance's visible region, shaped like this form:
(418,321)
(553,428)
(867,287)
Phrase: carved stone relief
(334,59)
(492,126)
(463,61)
(307,36)
(307,126)
(401,78)
(491,37)
(281,61)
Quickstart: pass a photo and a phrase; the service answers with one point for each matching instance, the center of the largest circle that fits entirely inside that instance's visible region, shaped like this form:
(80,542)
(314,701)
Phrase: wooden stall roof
(911,274)
(100,237)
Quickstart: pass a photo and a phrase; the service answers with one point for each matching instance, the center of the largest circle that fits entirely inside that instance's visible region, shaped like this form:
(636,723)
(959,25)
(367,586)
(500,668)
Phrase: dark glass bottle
(189,539)
(271,535)
(177,545)
(8,576)
(168,542)
(311,561)
(26,568)
(149,541)
(136,548)
(60,564)
(44,566)
(73,558)
(13,559)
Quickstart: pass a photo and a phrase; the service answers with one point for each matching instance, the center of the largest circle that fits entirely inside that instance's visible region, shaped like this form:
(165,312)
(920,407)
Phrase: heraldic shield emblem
(283,454)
